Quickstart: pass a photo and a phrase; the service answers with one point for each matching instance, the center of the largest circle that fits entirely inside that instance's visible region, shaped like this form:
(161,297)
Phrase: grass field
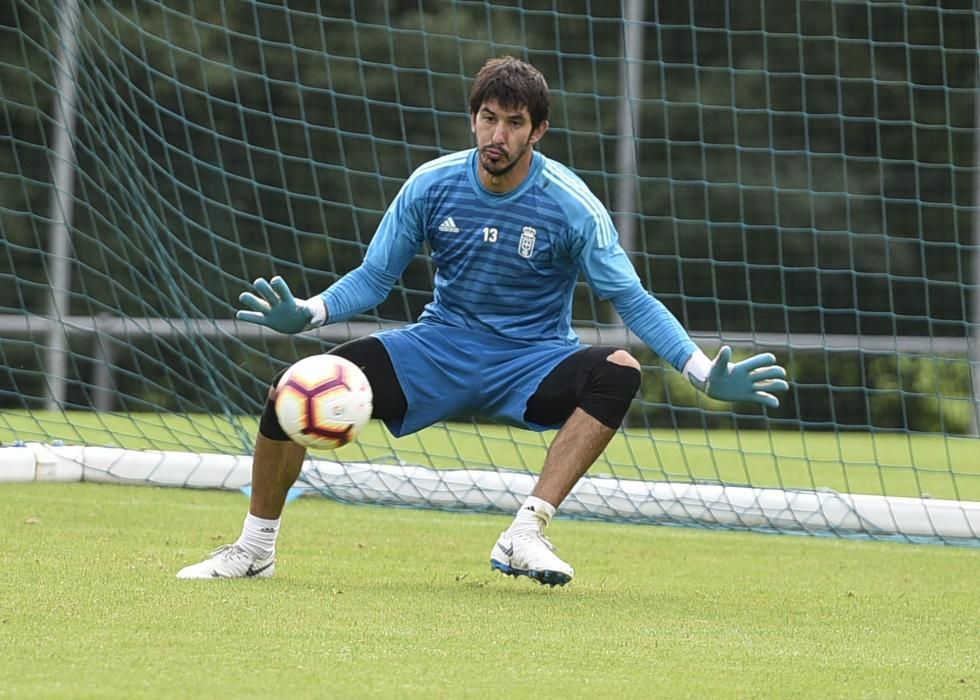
(386,603)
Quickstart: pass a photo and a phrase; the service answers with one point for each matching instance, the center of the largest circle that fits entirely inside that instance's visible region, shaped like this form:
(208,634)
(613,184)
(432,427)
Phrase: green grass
(384,603)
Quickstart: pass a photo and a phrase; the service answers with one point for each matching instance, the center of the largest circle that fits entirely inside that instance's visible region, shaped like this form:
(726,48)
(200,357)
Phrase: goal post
(797,178)
(822,512)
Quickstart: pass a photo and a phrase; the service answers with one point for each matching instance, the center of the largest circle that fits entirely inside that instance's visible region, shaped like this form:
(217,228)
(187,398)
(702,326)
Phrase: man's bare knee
(621,357)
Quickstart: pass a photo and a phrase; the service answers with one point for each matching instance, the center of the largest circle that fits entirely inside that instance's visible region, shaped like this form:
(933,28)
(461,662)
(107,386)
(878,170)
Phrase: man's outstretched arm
(756,379)
(275,307)
(397,239)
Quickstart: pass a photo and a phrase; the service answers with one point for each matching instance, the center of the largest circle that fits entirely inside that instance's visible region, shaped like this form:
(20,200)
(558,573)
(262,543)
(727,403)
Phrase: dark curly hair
(513,84)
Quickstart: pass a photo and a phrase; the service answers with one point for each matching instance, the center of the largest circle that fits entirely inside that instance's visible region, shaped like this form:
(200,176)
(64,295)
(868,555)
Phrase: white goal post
(650,502)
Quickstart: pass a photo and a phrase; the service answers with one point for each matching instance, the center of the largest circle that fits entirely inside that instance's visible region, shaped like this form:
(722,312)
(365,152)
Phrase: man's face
(504,137)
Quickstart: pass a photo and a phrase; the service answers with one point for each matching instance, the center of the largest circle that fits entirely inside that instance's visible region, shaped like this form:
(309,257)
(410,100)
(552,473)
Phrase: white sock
(259,536)
(535,515)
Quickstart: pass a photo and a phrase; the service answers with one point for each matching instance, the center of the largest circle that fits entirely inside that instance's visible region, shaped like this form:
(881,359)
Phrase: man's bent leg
(277,464)
(523,550)
(573,451)
(275,467)
(591,426)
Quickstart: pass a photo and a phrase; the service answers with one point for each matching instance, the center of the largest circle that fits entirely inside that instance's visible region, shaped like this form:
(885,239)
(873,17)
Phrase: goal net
(789,177)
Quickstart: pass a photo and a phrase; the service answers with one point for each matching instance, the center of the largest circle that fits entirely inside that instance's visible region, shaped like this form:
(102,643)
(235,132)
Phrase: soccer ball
(323,402)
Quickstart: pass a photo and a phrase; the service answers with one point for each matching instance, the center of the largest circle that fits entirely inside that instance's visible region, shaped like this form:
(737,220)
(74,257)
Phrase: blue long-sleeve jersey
(507,263)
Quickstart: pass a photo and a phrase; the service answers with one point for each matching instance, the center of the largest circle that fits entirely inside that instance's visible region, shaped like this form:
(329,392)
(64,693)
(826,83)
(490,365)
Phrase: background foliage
(802,167)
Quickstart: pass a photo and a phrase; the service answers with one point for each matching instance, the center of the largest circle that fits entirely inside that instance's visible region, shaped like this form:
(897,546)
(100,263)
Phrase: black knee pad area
(269,422)
(608,392)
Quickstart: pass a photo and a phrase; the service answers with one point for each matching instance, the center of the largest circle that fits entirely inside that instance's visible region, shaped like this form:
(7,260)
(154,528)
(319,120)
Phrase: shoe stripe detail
(252,571)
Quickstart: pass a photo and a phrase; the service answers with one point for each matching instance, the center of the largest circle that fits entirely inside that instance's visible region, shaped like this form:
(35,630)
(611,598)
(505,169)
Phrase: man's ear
(472,123)
(539,131)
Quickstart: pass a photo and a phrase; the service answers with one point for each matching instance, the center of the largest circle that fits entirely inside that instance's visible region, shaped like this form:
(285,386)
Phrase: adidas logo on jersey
(449,226)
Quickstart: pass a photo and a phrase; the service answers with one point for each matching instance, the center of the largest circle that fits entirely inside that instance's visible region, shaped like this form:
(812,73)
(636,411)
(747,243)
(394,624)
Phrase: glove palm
(276,307)
(751,379)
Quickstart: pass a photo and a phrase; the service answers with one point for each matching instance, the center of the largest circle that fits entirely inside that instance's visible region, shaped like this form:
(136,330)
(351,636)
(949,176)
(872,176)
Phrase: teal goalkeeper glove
(278,309)
(749,380)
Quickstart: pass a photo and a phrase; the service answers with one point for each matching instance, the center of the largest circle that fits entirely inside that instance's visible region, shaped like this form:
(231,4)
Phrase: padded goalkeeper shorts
(453,373)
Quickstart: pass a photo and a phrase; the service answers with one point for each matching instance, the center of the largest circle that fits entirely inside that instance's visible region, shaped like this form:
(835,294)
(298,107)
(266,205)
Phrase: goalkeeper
(510,231)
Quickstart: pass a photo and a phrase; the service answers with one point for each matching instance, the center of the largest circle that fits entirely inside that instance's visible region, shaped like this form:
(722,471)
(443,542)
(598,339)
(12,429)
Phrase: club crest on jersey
(525,247)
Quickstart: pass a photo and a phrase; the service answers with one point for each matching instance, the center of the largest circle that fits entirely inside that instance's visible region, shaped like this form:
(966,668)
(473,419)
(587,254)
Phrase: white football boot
(529,553)
(230,561)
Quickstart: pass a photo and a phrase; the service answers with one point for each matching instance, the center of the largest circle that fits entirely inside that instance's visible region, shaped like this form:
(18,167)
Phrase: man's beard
(496,170)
